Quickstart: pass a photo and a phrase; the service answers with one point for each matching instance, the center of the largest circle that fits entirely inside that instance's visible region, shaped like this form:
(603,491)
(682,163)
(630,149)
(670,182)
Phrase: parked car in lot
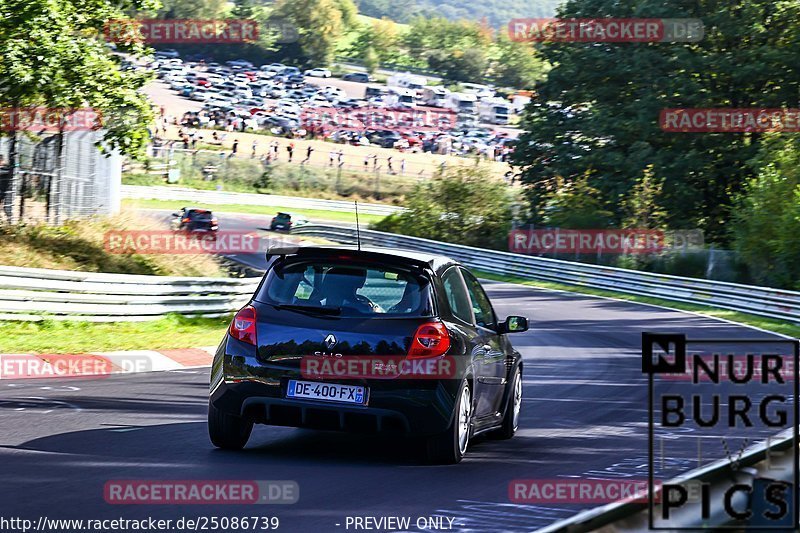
(239,63)
(437,362)
(168,53)
(193,219)
(318,73)
(360,77)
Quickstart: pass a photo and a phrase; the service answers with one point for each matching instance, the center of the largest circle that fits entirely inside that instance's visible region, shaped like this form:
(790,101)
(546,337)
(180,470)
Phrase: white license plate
(332,392)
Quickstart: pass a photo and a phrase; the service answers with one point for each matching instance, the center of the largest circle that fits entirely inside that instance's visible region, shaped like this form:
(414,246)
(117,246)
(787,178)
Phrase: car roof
(433,261)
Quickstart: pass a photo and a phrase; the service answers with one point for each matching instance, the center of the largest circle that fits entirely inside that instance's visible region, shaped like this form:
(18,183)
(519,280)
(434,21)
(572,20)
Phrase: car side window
(456,294)
(481,306)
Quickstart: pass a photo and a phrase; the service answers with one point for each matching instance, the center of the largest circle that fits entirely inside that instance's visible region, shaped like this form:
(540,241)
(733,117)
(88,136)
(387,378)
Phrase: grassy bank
(778,326)
(80,246)
(51,336)
(311,214)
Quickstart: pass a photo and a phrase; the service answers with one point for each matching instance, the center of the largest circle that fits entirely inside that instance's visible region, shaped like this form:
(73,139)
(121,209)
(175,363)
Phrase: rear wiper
(310,309)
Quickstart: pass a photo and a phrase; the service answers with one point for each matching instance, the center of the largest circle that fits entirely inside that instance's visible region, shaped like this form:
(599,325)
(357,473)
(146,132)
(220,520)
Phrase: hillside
(496,12)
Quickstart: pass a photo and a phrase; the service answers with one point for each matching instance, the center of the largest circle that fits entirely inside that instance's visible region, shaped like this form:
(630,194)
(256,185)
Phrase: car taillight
(430,340)
(186,220)
(243,326)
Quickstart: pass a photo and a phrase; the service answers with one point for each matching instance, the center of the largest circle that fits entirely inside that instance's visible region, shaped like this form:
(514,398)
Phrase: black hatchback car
(370,340)
(189,219)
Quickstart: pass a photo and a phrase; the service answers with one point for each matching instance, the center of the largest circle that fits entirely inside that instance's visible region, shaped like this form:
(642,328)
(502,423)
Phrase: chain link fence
(57,178)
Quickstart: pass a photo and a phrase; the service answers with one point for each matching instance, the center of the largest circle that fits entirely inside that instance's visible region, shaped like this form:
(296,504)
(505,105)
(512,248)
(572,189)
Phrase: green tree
(464,205)
(575,204)
(196,9)
(765,225)
(433,35)
(381,36)
(598,110)
(641,206)
(349,13)
(371,60)
(319,24)
(458,65)
(517,64)
(52,54)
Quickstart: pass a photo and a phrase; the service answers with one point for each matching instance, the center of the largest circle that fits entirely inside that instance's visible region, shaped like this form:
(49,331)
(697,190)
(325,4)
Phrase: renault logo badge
(330,341)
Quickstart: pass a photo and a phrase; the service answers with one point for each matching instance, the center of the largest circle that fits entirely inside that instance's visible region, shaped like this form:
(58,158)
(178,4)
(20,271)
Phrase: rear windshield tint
(356,290)
(200,215)
(284,215)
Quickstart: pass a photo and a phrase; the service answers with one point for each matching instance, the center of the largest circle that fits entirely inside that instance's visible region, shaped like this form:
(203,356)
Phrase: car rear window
(354,289)
(200,215)
(284,215)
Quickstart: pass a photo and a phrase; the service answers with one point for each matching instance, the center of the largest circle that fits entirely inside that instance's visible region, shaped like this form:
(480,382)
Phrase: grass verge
(80,246)
(55,336)
(769,324)
(311,214)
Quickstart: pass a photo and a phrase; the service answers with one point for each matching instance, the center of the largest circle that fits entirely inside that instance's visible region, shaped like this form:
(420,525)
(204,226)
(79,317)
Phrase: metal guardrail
(758,461)
(29,294)
(761,301)
(142,192)
(35,294)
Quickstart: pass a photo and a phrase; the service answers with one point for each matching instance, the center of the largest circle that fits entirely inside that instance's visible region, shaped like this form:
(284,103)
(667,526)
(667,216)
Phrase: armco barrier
(767,460)
(29,293)
(762,301)
(269,200)
(34,293)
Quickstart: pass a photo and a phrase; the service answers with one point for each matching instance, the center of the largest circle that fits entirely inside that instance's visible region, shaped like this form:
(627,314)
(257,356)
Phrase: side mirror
(175,214)
(514,324)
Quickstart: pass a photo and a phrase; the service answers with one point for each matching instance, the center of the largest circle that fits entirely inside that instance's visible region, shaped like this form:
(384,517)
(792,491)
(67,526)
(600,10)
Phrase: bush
(766,229)
(462,205)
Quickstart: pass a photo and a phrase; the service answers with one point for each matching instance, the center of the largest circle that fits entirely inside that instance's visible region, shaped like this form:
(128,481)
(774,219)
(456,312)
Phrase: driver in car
(340,288)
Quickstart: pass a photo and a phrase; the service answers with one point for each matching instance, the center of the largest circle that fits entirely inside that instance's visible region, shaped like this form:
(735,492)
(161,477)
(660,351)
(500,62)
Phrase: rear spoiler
(345,252)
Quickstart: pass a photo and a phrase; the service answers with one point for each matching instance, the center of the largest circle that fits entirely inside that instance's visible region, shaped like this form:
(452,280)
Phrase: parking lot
(307,106)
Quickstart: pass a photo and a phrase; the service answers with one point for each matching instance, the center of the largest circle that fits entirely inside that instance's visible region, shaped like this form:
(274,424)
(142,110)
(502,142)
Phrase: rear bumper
(243,386)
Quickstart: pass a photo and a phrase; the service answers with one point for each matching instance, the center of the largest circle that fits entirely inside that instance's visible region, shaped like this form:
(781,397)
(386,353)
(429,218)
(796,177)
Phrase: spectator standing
(290,150)
(235,147)
(309,150)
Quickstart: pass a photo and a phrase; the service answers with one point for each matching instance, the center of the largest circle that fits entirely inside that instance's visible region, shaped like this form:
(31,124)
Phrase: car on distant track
(368,340)
(193,219)
(286,221)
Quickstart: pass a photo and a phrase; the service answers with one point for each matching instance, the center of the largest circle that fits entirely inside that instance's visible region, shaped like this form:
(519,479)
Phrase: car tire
(449,447)
(226,431)
(513,407)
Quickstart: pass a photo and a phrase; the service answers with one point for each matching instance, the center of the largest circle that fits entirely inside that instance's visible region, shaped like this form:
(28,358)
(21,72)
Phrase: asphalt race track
(584,415)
